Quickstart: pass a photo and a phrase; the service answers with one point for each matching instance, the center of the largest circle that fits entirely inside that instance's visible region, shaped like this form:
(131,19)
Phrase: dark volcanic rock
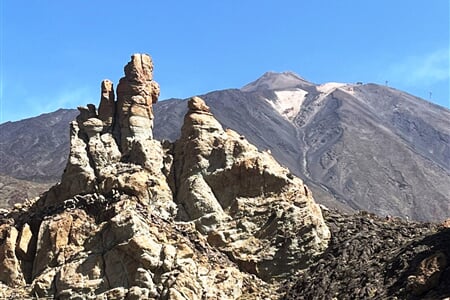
(378,258)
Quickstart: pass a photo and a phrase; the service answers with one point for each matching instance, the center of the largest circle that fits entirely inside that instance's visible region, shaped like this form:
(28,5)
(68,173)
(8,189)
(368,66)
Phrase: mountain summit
(357,146)
(276,81)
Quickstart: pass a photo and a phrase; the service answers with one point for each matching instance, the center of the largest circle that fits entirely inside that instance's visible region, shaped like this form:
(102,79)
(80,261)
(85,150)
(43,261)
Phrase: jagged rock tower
(134,218)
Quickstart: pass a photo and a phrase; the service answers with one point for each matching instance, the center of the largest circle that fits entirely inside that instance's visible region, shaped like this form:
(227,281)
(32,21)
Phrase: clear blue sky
(55,53)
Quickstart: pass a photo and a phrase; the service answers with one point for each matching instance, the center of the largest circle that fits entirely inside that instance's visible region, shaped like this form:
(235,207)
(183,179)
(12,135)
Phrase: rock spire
(134,218)
(136,93)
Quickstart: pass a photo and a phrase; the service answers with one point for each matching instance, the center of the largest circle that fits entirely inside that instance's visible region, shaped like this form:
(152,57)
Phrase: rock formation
(136,93)
(206,217)
(107,107)
(249,206)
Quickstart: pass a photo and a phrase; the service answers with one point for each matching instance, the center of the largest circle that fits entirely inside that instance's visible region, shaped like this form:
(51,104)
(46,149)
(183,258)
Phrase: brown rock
(136,93)
(244,199)
(446,223)
(107,107)
(25,244)
(427,274)
(125,254)
(52,239)
(79,175)
(10,270)
(86,113)
(92,127)
(197,105)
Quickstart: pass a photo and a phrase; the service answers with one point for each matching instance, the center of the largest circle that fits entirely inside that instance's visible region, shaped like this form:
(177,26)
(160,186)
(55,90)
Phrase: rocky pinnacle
(134,218)
(136,93)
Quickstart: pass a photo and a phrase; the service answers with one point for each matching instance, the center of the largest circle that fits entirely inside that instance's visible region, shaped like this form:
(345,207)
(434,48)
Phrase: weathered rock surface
(107,107)
(250,207)
(377,258)
(102,248)
(136,93)
(206,217)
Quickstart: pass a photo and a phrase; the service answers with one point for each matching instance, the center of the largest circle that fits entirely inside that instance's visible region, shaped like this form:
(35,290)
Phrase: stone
(92,127)
(137,293)
(25,245)
(107,107)
(10,270)
(224,182)
(427,274)
(52,239)
(86,113)
(124,254)
(79,175)
(43,285)
(208,216)
(136,93)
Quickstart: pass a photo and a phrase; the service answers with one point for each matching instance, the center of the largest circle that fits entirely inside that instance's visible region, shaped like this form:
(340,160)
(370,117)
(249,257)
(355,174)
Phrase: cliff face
(133,218)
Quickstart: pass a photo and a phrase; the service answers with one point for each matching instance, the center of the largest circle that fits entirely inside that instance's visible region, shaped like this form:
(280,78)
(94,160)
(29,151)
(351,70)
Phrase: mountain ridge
(330,120)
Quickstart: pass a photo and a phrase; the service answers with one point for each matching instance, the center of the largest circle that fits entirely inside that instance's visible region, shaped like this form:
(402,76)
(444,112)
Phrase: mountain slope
(369,147)
(362,147)
(36,149)
(358,146)
(14,190)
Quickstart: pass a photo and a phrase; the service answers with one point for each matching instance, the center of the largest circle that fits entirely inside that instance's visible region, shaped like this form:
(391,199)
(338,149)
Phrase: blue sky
(54,54)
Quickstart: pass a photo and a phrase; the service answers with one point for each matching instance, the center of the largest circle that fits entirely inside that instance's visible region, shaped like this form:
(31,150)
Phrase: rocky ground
(377,258)
(368,258)
(14,190)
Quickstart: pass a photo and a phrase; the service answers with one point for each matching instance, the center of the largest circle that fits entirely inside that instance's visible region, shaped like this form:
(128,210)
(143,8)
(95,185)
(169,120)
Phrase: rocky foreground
(377,258)
(205,217)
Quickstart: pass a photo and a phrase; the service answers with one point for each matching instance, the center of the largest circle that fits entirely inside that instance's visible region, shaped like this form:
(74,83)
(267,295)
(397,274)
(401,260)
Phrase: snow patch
(328,87)
(288,102)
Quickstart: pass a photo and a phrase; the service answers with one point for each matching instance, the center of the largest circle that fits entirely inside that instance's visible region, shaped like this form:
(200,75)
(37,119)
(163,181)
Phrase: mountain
(207,216)
(277,81)
(357,146)
(36,149)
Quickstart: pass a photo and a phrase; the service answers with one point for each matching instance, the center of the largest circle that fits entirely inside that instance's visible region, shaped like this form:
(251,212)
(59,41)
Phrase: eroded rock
(252,208)
(136,93)
(107,107)
(10,270)
(134,218)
